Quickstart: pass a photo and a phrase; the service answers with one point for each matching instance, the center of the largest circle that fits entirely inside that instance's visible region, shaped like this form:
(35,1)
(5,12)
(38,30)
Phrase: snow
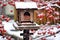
(54,38)
(37,36)
(8,26)
(49,4)
(24,5)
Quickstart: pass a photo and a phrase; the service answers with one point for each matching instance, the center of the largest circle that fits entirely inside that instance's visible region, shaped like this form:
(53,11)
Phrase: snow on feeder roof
(26,5)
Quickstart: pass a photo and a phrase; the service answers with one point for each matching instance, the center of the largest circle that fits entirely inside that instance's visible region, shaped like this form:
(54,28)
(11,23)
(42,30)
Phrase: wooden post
(26,34)
(15,14)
